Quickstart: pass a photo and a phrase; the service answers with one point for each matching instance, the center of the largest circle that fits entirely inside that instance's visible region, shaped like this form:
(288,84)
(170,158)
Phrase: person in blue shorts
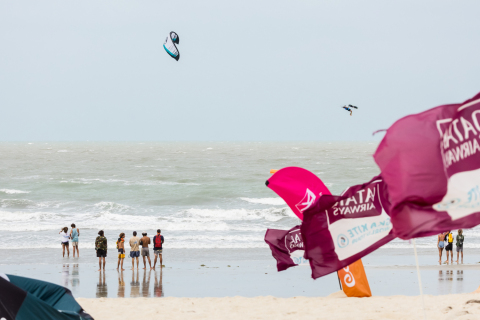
(440,246)
(135,248)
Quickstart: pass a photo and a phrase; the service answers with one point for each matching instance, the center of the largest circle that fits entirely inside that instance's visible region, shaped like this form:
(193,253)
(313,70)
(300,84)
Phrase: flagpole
(339,282)
(419,279)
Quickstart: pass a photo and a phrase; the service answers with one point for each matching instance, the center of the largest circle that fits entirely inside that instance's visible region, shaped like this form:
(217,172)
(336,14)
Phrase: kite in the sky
(170,46)
(349,108)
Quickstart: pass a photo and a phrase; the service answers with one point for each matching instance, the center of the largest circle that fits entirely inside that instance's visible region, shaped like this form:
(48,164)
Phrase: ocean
(212,205)
(202,195)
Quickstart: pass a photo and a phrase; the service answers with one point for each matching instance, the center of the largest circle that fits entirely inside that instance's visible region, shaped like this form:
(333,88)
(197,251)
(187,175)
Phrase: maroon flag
(431,164)
(287,247)
(299,188)
(339,230)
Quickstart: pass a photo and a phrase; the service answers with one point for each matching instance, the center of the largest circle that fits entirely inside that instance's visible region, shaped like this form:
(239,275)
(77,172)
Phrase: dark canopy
(29,299)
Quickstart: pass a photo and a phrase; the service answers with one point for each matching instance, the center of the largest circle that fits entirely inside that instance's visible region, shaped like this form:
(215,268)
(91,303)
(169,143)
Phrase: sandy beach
(335,306)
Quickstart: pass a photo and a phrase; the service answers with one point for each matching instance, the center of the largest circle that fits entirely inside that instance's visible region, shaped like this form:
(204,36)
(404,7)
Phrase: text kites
(431,165)
(286,246)
(339,230)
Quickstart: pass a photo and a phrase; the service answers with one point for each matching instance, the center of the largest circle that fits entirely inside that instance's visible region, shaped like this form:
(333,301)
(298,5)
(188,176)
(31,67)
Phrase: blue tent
(29,299)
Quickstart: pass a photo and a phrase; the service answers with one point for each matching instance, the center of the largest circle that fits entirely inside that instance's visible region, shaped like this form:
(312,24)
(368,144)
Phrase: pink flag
(339,230)
(287,247)
(431,164)
(298,187)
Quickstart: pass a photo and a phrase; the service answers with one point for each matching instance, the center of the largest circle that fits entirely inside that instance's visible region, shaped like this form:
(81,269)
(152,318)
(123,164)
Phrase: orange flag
(354,280)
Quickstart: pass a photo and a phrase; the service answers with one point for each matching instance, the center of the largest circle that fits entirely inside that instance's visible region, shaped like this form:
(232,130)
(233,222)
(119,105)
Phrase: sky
(248,70)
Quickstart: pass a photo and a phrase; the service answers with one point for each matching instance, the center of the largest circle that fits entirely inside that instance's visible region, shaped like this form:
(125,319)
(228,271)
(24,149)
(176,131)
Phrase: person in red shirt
(158,248)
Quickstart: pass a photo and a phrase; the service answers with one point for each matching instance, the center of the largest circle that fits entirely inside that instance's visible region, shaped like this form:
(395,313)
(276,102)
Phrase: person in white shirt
(64,236)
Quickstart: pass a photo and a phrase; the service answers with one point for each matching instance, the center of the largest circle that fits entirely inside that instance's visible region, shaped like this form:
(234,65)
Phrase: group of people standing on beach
(66,237)
(135,243)
(445,241)
(101,247)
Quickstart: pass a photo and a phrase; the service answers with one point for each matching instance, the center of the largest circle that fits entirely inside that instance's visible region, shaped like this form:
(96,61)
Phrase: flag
(354,280)
(430,163)
(298,187)
(339,230)
(286,246)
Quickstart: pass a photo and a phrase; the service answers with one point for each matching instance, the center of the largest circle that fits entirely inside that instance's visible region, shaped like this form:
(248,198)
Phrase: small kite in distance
(349,108)
(170,46)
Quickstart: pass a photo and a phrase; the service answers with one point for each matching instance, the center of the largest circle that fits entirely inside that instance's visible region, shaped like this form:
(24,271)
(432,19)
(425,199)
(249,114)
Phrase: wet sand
(252,273)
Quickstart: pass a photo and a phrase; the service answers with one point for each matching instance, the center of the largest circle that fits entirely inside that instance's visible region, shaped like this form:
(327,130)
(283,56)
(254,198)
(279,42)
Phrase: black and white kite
(170,46)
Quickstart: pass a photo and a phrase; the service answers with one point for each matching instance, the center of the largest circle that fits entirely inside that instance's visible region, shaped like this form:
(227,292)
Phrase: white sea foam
(103,218)
(127,182)
(271,214)
(13,191)
(26,217)
(267,201)
(107,206)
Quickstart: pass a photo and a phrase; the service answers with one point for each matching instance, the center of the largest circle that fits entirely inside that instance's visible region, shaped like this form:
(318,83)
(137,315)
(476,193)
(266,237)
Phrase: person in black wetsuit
(349,108)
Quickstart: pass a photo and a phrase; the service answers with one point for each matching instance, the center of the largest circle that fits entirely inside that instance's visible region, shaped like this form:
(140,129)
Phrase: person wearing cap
(145,241)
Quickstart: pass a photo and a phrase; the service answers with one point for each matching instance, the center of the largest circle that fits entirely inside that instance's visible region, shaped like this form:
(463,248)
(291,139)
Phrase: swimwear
(101,253)
(65,243)
(134,254)
(460,249)
(145,252)
(441,245)
(121,254)
(157,251)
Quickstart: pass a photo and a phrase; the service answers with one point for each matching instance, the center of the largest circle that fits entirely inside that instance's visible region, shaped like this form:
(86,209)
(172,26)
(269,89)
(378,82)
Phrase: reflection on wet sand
(146,284)
(121,285)
(75,281)
(448,275)
(102,291)
(72,280)
(452,281)
(134,286)
(65,274)
(158,288)
(460,275)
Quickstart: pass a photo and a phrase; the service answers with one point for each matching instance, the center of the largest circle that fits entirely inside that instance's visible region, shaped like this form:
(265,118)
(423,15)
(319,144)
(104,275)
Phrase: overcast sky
(249,70)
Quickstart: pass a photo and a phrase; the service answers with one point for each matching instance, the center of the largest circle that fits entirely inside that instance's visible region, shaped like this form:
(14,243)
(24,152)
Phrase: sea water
(202,195)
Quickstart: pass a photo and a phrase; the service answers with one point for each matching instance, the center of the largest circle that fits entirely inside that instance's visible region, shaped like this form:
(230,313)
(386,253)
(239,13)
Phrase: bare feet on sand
(446,262)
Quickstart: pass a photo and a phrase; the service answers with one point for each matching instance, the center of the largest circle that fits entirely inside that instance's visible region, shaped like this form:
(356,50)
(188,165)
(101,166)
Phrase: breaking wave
(267,201)
(12,191)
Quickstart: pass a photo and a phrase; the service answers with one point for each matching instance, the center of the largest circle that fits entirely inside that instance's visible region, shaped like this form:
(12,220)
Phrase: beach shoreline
(215,273)
(335,306)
